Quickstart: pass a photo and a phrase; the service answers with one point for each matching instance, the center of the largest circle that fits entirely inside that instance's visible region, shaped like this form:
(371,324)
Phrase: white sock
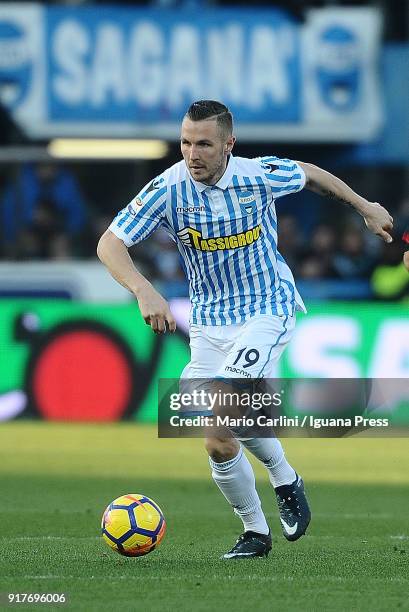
(235,479)
(271,453)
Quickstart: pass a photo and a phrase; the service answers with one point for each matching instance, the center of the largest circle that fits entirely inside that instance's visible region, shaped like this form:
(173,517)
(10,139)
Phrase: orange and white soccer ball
(133,525)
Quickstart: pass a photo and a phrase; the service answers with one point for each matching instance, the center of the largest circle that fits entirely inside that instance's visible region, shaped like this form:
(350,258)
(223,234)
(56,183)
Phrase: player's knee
(222,449)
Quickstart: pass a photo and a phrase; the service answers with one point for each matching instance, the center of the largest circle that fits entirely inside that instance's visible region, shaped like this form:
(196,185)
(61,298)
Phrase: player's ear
(229,144)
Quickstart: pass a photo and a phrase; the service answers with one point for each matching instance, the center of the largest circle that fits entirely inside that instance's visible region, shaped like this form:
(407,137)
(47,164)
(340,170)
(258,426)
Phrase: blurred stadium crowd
(55,212)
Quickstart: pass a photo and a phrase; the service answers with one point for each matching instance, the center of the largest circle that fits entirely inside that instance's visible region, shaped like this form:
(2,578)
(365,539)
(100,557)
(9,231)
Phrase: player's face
(205,149)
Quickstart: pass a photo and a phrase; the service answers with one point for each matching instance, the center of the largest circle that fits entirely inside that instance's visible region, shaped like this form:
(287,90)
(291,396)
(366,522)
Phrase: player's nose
(194,154)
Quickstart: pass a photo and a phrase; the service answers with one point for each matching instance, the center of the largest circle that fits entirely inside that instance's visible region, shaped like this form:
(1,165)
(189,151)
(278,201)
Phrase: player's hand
(379,221)
(155,310)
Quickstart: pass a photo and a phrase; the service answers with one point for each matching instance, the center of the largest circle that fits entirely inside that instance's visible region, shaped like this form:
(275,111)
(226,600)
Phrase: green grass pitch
(56,480)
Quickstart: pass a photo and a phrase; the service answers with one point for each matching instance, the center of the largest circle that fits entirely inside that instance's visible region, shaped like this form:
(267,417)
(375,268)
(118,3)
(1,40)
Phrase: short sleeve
(143,215)
(284,176)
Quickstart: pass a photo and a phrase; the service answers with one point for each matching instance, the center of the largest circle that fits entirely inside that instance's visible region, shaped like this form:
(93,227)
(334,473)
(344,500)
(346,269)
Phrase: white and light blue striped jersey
(226,235)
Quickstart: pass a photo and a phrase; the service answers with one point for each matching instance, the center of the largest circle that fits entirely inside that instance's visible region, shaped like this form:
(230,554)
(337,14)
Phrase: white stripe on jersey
(226,235)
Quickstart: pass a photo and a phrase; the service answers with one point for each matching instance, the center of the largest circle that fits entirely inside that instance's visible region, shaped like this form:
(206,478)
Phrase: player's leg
(257,352)
(271,453)
(234,476)
(292,503)
(230,468)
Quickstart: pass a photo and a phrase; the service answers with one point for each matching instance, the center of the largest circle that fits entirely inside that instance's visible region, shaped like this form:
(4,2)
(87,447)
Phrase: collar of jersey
(222,183)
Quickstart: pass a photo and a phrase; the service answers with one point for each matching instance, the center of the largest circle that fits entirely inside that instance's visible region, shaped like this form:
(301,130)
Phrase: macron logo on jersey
(190,209)
(193,238)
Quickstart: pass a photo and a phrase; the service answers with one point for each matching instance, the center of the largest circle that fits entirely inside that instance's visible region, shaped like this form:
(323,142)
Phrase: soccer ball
(133,525)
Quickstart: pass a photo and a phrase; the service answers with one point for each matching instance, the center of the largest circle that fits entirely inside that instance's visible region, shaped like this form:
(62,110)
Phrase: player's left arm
(376,217)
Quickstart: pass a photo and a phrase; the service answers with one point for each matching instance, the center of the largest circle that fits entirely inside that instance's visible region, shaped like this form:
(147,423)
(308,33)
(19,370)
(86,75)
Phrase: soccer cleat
(249,545)
(293,507)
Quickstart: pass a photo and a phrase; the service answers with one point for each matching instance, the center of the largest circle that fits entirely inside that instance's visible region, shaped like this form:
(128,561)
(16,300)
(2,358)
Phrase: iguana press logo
(193,238)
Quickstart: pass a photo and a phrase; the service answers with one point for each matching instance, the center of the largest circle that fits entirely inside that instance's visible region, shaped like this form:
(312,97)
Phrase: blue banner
(82,71)
(124,65)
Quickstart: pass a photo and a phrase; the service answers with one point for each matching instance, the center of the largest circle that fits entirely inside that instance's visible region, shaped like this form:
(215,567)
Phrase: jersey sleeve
(143,215)
(284,176)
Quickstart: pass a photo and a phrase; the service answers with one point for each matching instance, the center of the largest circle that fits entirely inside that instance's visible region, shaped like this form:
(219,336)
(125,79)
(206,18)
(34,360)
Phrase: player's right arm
(154,308)
(135,223)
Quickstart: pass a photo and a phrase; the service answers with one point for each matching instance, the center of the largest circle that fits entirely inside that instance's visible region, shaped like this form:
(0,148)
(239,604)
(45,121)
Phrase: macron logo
(190,209)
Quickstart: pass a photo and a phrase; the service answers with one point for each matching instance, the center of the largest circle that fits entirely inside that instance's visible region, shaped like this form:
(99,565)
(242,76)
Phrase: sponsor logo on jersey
(190,209)
(237,371)
(193,238)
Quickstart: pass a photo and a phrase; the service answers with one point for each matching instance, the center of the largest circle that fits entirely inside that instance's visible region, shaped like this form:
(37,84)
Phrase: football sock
(270,452)
(235,479)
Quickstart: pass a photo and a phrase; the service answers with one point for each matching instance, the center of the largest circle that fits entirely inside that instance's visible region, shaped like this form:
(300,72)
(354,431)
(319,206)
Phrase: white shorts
(248,350)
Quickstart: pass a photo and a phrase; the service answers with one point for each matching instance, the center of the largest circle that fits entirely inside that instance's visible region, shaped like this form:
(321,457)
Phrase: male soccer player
(220,210)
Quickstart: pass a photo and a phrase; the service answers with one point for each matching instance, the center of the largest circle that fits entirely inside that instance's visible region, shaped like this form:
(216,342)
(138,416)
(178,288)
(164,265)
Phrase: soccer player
(220,210)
